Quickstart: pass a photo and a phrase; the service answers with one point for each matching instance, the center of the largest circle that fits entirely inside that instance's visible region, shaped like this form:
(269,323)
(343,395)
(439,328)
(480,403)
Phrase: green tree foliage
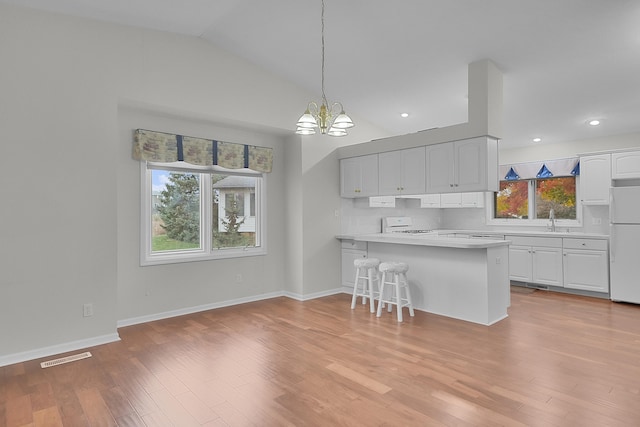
(179,207)
(231,236)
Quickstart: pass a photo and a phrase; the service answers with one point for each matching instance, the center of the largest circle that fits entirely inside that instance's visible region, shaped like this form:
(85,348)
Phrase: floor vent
(56,362)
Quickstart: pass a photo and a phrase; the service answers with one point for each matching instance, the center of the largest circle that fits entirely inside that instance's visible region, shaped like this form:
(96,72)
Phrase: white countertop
(445,238)
(432,239)
(576,234)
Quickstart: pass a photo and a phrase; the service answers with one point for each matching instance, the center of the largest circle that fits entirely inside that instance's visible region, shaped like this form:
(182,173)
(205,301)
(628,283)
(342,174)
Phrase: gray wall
(147,292)
(72,91)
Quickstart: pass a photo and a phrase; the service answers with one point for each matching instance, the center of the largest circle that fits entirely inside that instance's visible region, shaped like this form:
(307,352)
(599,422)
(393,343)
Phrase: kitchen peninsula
(463,278)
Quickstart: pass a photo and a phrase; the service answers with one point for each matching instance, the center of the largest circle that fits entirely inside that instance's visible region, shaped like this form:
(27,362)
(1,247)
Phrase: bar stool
(366,273)
(394,274)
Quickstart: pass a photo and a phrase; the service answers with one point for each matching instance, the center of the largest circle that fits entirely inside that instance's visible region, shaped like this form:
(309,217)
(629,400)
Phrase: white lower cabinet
(586,265)
(535,260)
(572,263)
(547,266)
(520,263)
(351,250)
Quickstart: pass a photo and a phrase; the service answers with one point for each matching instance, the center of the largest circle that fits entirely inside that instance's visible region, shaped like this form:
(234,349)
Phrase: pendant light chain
(331,119)
(324,97)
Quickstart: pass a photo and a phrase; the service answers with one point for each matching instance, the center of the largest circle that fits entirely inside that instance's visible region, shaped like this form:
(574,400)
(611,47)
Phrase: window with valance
(529,191)
(201,198)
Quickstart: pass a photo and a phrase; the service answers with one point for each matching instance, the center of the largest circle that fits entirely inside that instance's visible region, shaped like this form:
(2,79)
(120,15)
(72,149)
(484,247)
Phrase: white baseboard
(308,297)
(10,359)
(196,309)
(104,339)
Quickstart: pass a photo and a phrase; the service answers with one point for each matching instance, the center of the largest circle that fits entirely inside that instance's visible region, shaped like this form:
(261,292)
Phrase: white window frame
(534,222)
(207,251)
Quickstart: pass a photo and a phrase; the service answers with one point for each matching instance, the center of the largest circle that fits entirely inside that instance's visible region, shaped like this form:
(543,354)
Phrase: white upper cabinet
(402,172)
(595,179)
(440,173)
(462,200)
(625,165)
(472,200)
(462,166)
(430,201)
(359,176)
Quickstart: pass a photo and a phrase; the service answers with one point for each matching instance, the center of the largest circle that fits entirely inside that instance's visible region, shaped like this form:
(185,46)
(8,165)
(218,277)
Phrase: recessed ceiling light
(537,139)
(405,115)
(594,122)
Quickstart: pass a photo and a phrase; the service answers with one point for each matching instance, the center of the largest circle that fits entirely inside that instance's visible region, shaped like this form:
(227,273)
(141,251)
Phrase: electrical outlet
(87,310)
(498,260)
(596,221)
(238,278)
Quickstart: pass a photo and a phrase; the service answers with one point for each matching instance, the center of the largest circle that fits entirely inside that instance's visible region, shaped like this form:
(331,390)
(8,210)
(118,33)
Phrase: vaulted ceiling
(564,62)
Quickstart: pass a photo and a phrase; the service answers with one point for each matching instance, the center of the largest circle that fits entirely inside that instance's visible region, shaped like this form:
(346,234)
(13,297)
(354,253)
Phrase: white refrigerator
(624,248)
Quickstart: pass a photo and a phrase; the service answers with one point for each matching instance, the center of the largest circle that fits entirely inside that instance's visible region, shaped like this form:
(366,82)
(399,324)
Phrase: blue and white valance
(540,169)
(544,172)
(167,148)
(511,175)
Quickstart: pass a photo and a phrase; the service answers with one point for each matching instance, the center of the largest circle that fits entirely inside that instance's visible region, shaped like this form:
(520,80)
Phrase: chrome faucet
(552,219)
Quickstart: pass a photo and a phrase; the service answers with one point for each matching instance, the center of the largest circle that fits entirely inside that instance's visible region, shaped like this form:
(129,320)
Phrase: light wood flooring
(558,360)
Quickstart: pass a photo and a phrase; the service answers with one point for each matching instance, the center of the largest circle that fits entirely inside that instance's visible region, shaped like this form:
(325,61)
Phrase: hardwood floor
(558,360)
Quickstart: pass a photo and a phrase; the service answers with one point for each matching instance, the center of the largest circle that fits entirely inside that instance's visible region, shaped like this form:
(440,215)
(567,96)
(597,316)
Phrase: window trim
(206,252)
(531,222)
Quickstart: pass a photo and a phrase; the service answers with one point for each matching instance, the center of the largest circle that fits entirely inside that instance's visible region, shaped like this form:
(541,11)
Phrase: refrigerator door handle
(611,204)
(612,242)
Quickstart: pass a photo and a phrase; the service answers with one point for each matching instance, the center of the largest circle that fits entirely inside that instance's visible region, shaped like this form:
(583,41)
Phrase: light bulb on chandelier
(330,119)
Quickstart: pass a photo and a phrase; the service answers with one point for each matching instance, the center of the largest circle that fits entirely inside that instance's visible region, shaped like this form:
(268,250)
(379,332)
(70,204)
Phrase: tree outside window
(189,215)
(234,223)
(176,222)
(512,201)
(558,194)
(515,199)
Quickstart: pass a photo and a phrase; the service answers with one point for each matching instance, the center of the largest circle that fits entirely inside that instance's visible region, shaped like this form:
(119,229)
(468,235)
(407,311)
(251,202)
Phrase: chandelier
(330,118)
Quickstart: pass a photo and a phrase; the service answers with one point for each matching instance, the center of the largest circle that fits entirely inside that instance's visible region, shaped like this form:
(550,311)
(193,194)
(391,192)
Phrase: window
(192,213)
(512,201)
(558,194)
(533,200)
